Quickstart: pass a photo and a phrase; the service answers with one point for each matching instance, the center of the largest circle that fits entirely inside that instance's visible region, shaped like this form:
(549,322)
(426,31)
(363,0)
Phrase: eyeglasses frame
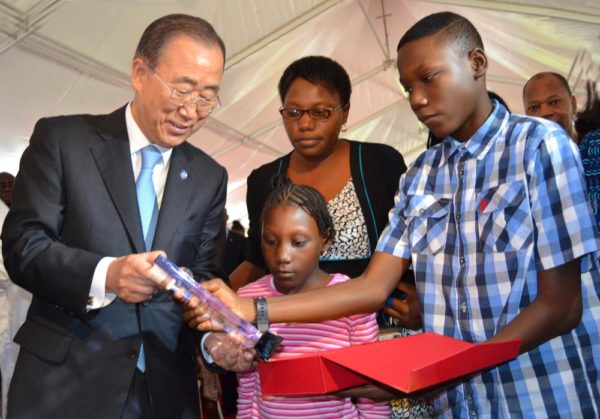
(307,111)
(195,101)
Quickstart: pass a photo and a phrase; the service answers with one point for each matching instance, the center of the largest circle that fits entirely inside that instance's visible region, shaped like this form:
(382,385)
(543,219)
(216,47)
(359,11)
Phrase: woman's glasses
(317,114)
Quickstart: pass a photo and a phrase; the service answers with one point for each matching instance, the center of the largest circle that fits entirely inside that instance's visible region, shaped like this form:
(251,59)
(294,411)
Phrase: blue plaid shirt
(479,220)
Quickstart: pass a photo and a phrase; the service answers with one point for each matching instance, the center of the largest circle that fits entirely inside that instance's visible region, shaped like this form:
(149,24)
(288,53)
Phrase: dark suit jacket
(74,202)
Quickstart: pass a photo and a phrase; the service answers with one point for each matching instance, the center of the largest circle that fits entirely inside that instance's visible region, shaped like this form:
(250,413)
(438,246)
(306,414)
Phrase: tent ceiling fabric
(62,57)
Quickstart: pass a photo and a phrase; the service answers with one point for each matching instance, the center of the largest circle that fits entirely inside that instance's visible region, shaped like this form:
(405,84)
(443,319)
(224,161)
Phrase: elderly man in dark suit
(96,199)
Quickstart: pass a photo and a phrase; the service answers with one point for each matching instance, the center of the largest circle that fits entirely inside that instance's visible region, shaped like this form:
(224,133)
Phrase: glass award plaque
(173,278)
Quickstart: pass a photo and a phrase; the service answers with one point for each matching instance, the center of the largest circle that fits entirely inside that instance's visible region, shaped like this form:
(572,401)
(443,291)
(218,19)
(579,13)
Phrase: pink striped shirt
(300,339)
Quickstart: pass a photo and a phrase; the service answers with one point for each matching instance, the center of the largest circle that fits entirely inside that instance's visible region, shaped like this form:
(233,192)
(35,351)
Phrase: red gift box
(406,364)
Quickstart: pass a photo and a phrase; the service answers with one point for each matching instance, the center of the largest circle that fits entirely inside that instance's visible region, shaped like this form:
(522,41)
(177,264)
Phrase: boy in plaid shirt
(496,224)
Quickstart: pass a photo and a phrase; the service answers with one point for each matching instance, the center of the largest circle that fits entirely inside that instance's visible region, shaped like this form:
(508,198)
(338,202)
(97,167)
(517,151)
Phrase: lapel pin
(183,175)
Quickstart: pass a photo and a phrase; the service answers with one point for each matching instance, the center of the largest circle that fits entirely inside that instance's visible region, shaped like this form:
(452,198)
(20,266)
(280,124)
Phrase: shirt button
(458,216)
(463,308)
(421,211)
(132,354)
(462,260)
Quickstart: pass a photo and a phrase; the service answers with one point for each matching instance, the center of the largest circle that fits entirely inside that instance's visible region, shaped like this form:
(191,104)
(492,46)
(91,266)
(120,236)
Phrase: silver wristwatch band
(262,315)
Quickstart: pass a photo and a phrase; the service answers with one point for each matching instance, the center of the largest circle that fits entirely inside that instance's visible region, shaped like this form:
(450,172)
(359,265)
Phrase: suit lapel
(182,181)
(113,158)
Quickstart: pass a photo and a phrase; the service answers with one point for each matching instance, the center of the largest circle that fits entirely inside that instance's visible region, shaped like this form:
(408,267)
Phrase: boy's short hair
(448,27)
(560,78)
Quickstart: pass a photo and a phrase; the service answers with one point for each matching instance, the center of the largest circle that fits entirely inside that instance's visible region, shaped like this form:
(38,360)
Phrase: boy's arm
(556,309)
(364,294)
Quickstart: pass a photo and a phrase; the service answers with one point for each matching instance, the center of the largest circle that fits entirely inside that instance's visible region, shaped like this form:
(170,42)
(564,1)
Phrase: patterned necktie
(148,206)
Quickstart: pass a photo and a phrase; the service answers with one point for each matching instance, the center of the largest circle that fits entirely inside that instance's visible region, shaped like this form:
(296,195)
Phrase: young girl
(296,229)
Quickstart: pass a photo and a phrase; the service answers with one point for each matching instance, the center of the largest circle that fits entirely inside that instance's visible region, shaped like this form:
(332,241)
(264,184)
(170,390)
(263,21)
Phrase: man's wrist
(99,296)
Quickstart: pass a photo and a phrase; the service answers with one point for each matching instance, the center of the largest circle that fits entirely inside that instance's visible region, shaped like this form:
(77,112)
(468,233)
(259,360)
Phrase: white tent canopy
(74,56)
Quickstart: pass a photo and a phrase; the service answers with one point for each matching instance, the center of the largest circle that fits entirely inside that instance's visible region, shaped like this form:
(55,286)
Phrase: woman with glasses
(358,180)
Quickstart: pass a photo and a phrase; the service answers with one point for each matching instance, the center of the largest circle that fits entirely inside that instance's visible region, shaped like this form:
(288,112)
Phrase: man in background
(6,185)
(549,96)
(14,302)
(236,246)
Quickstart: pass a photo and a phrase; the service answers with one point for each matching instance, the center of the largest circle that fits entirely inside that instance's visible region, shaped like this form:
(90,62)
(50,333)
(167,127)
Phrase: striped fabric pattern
(301,339)
(479,220)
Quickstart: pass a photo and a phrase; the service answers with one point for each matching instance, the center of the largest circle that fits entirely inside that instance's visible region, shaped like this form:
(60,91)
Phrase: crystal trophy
(178,279)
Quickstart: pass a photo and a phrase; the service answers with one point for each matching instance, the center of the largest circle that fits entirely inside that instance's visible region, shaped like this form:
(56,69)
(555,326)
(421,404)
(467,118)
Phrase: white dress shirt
(137,140)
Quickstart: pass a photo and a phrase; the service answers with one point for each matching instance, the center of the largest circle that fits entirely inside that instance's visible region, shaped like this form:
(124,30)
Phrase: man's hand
(228,353)
(128,277)
(408,310)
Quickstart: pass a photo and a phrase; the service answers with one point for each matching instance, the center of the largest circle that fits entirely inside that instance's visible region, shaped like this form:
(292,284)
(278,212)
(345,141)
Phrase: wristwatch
(262,315)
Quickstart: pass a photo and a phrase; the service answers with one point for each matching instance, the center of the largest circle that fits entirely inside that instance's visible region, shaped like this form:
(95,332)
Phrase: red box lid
(406,364)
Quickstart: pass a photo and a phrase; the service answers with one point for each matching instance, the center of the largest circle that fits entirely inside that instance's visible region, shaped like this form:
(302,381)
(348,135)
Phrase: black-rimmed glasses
(317,114)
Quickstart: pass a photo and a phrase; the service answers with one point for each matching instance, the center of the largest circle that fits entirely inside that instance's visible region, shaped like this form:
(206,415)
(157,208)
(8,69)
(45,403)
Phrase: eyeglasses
(204,103)
(316,114)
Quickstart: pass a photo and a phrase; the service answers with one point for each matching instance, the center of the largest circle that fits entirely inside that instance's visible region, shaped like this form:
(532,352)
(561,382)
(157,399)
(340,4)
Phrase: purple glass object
(180,280)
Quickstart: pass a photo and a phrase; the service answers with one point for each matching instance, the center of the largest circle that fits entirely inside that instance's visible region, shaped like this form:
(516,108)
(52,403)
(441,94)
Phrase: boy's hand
(195,313)
(407,311)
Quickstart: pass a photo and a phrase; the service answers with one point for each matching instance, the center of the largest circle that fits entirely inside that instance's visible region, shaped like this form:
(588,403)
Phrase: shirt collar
(481,142)
(137,139)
